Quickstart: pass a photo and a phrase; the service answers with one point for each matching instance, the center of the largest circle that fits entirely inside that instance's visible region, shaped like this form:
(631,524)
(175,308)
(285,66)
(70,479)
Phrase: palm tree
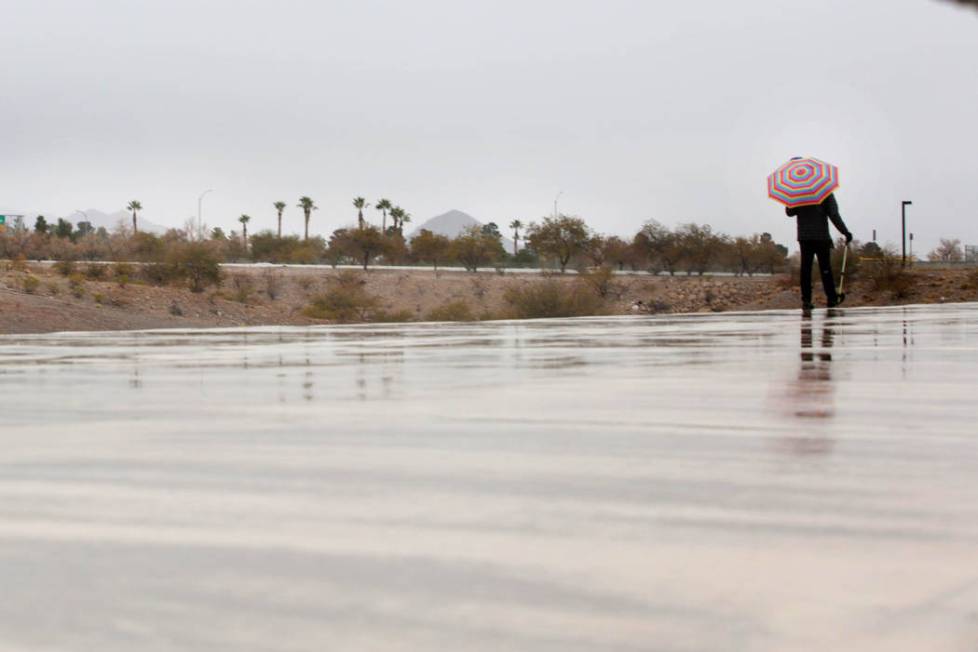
(383,206)
(396,214)
(279,206)
(405,218)
(135,207)
(360,203)
(244,219)
(516,225)
(308,206)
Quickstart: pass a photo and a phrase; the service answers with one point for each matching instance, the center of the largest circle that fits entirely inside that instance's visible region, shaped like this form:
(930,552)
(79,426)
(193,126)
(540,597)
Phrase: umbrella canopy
(803,182)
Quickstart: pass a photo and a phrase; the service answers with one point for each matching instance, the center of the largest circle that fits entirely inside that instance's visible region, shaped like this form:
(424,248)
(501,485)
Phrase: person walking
(815,241)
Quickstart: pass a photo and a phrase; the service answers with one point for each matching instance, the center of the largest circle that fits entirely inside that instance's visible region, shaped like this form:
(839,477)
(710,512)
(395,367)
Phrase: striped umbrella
(803,182)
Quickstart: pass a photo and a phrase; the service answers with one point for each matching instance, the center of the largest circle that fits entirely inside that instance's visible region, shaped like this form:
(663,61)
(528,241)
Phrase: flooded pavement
(704,482)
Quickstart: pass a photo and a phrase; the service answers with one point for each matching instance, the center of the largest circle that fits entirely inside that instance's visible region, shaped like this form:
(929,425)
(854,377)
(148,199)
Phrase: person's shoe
(807,306)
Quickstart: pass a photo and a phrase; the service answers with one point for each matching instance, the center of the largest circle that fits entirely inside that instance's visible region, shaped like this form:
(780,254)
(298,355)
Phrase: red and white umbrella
(803,182)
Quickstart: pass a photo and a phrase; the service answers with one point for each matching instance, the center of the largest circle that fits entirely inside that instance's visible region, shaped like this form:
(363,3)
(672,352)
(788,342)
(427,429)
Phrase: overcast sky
(635,109)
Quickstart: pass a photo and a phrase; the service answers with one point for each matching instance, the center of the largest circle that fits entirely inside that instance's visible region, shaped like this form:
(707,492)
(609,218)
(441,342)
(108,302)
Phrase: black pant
(822,249)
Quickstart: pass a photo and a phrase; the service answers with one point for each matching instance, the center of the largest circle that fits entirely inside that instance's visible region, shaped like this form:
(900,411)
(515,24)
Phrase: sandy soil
(277,296)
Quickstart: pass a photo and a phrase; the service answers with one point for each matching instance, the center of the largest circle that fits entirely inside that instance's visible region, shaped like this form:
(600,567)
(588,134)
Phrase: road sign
(3,220)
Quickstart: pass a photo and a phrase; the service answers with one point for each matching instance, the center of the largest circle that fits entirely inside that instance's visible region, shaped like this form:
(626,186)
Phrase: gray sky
(635,109)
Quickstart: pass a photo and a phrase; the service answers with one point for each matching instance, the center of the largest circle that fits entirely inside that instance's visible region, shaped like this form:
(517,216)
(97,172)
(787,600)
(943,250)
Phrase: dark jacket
(813,221)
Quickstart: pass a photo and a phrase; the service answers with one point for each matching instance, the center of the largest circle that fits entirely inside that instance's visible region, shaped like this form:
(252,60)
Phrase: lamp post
(903,214)
(200,202)
(555,202)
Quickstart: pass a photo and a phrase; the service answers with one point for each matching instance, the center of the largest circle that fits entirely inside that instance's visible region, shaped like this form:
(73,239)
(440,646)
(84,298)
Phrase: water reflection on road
(709,482)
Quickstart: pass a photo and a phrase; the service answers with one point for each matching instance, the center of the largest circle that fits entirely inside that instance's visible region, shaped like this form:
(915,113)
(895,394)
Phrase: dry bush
(971,281)
(65,267)
(76,284)
(458,310)
(122,272)
(602,281)
(98,297)
(95,272)
(550,298)
(30,284)
(243,286)
(157,273)
(887,274)
(305,282)
(273,284)
(792,274)
(479,287)
(347,300)
(19,264)
(53,288)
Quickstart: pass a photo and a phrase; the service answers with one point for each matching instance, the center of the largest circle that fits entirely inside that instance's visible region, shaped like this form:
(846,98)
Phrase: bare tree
(949,251)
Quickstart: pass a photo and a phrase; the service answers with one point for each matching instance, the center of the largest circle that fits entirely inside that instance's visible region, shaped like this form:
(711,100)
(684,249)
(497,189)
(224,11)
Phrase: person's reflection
(812,395)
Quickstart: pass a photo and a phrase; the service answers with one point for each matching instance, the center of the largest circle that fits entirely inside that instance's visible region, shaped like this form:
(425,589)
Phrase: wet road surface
(706,482)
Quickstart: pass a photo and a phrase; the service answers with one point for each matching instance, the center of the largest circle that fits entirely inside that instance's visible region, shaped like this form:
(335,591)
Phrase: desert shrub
(176,310)
(347,300)
(242,287)
(65,267)
(53,288)
(19,264)
(157,273)
(197,263)
(306,255)
(305,282)
(30,284)
(887,274)
(272,285)
(122,269)
(458,310)
(550,298)
(602,282)
(971,280)
(98,297)
(76,285)
(791,277)
(95,272)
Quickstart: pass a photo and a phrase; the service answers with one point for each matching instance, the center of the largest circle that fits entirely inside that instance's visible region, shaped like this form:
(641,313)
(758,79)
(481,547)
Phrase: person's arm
(832,209)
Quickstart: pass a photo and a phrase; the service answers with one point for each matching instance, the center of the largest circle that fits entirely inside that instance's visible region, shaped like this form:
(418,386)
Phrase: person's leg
(824,253)
(807,252)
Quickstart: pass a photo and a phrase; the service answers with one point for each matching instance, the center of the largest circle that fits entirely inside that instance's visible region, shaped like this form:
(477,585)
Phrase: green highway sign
(3,219)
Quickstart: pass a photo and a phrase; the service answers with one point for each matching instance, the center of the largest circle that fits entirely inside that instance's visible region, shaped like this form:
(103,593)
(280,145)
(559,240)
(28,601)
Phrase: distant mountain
(111,220)
(452,223)
(96,217)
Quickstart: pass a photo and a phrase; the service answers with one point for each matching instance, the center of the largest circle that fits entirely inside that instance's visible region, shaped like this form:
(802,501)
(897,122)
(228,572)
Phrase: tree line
(554,242)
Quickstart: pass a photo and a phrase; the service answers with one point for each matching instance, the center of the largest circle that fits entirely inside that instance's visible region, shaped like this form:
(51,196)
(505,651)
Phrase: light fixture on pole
(555,202)
(200,202)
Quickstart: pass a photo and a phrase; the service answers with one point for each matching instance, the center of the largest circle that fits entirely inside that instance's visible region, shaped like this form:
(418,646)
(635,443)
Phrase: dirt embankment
(279,296)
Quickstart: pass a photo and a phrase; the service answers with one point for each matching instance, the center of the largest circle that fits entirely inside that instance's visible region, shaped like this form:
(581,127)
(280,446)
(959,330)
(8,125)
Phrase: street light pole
(555,202)
(200,202)
(903,214)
